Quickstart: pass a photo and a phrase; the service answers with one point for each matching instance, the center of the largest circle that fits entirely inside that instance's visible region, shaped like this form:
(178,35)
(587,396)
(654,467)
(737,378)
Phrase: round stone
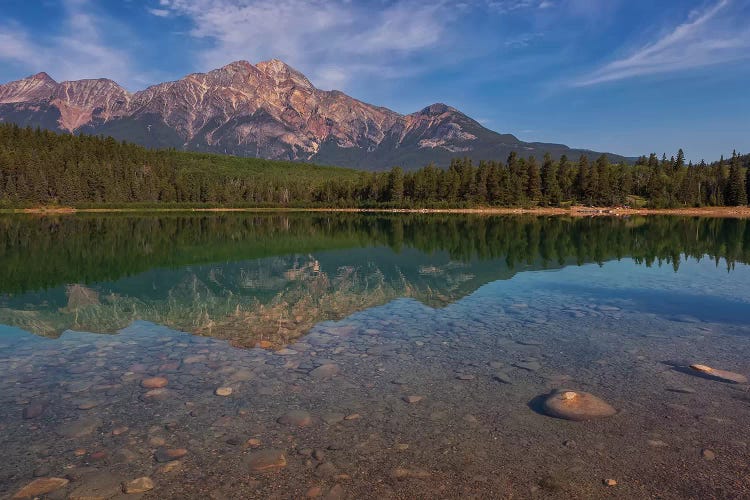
(296,418)
(576,405)
(223,391)
(266,460)
(154,382)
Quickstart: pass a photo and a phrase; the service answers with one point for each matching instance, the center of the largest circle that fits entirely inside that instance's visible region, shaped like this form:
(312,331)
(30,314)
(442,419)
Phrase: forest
(39,167)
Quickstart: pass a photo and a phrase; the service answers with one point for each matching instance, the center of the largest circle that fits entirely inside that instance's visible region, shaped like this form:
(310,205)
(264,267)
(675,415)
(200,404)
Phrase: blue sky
(627,76)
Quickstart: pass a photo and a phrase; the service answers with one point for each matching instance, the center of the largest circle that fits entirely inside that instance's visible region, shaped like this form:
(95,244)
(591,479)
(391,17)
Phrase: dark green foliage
(43,168)
(92,248)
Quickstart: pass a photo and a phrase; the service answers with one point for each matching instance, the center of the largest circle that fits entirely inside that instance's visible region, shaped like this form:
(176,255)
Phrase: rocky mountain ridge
(267,110)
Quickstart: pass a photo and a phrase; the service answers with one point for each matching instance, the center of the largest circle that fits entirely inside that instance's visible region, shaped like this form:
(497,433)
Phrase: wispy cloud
(328,39)
(77,51)
(711,36)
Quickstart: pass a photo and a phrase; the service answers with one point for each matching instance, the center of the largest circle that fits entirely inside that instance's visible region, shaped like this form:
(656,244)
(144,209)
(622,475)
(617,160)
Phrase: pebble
(412,399)
(314,492)
(87,405)
(266,460)
(610,482)
(296,418)
(140,485)
(708,454)
(41,486)
(169,454)
(117,431)
(576,405)
(253,443)
(353,416)
(33,410)
(154,382)
(78,428)
(223,391)
(325,371)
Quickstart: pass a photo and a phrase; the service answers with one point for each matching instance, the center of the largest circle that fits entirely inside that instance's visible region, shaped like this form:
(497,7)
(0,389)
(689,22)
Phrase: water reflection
(267,279)
(402,357)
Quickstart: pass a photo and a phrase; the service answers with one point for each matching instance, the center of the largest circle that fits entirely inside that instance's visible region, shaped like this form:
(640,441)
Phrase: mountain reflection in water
(257,279)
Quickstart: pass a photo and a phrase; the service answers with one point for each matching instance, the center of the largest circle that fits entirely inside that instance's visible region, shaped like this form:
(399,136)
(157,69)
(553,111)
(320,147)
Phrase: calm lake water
(372,356)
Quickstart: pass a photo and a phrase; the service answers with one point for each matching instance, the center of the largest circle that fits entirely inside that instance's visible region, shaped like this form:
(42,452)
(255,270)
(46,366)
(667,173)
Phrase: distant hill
(268,110)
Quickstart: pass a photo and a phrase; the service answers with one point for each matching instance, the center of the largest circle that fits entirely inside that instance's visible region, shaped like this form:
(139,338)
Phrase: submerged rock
(41,486)
(154,382)
(296,418)
(34,410)
(328,370)
(266,460)
(223,391)
(724,375)
(576,406)
(140,485)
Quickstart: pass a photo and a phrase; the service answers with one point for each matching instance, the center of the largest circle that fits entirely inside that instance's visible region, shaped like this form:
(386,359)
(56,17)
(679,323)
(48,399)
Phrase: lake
(284,355)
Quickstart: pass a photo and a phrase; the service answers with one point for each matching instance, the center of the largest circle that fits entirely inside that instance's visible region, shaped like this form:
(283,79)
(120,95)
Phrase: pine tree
(736,189)
(550,185)
(534,183)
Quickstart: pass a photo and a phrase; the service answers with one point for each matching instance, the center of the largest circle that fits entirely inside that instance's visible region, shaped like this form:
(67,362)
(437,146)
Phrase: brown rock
(140,485)
(576,405)
(41,486)
(34,410)
(223,391)
(266,460)
(296,418)
(154,382)
(412,399)
(169,454)
(325,371)
(726,376)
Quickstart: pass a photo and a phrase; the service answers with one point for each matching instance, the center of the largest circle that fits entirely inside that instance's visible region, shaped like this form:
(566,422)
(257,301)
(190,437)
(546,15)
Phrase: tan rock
(724,375)
(576,405)
(154,382)
(41,486)
(140,485)
(266,460)
(223,391)
(296,418)
(412,399)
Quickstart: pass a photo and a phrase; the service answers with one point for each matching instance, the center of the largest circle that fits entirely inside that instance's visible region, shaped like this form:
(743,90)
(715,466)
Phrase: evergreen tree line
(42,167)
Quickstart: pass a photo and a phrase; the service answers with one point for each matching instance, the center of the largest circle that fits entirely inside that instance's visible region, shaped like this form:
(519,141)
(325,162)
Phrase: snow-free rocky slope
(266,110)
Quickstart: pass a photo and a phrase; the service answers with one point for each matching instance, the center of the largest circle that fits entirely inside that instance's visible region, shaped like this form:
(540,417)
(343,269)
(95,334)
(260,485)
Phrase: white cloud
(318,36)
(78,51)
(331,39)
(158,12)
(715,35)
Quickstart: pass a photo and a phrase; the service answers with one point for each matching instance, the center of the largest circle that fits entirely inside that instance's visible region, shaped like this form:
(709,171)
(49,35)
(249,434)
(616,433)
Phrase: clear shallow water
(478,317)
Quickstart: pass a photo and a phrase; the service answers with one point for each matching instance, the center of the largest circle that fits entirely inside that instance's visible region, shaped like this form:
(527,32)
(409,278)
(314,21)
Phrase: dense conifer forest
(39,167)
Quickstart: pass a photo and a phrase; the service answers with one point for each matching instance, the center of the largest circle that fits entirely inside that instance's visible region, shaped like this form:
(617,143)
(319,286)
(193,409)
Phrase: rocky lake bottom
(402,400)
(351,356)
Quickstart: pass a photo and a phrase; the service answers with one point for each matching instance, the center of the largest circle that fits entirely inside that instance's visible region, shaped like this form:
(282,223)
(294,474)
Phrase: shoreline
(575,211)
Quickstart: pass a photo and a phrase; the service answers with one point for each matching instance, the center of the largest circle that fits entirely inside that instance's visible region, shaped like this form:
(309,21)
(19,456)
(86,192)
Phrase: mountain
(267,110)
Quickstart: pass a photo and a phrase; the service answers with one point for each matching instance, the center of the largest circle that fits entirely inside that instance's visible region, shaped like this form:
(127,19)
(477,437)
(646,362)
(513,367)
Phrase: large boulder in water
(576,405)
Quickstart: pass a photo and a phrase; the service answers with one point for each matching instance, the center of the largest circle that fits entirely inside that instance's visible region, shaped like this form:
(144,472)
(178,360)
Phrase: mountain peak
(438,109)
(281,72)
(42,76)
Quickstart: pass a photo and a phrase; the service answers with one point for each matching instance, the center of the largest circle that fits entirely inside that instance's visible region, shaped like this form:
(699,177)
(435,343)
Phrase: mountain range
(268,110)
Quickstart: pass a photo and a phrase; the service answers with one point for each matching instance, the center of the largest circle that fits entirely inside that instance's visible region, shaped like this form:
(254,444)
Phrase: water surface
(477,316)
